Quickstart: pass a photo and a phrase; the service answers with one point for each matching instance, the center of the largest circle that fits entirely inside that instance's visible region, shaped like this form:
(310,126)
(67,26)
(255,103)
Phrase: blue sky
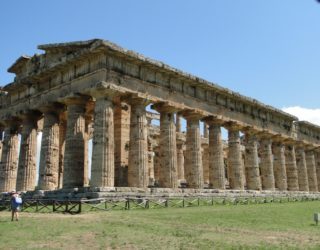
(268,50)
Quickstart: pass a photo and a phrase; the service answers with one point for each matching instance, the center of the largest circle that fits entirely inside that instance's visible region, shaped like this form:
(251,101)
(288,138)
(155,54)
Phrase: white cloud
(305,114)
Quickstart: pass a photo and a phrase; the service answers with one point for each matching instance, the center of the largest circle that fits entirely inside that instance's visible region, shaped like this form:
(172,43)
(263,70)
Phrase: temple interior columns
(252,161)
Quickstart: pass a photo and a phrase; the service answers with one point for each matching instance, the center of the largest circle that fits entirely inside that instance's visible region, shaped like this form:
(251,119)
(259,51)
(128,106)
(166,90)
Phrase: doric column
(302,169)
(193,160)
(178,122)
(27,169)
(151,155)
(317,158)
(266,163)
(138,148)
(205,162)
(180,160)
(291,167)
(156,164)
(121,135)
(9,160)
(168,148)
(235,164)
(73,173)
(1,140)
(62,145)
(252,161)
(49,157)
(279,165)
(102,167)
(311,169)
(205,130)
(216,161)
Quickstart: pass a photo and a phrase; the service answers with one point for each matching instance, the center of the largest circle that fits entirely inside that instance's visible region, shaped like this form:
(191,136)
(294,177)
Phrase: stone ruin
(97,90)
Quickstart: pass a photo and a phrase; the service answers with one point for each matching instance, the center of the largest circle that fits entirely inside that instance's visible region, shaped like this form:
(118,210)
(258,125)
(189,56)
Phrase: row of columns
(269,164)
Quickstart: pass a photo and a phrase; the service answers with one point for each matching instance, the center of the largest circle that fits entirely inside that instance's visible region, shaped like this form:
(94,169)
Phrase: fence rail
(108,204)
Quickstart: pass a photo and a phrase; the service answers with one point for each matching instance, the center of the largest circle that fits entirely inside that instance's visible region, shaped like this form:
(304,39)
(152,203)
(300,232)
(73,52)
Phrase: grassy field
(262,226)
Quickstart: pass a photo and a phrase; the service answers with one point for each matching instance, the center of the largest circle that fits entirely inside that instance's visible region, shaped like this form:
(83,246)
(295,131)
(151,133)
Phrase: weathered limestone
(279,163)
(252,161)
(235,163)
(168,177)
(178,122)
(62,145)
(127,150)
(216,159)
(49,157)
(205,162)
(205,130)
(311,168)
(317,158)
(138,148)
(27,167)
(266,164)
(302,169)
(9,160)
(102,169)
(73,173)
(291,168)
(193,169)
(1,141)
(180,160)
(121,133)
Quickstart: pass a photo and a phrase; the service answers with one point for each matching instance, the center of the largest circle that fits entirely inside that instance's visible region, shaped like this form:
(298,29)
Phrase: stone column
(138,148)
(62,145)
(205,130)
(102,168)
(180,160)
(1,140)
(178,122)
(205,162)
(302,169)
(193,160)
(252,161)
(49,157)
(73,174)
(27,167)
(168,148)
(122,137)
(9,160)
(311,168)
(151,155)
(266,164)
(156,164)
(291,167)
(235,167)
(279,164)
(317,158)
(216,159)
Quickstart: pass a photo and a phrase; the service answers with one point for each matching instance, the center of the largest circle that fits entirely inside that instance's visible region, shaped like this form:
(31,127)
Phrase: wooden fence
(108,204)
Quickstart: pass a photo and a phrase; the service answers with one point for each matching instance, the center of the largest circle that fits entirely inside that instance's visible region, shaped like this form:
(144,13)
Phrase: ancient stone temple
(94,90)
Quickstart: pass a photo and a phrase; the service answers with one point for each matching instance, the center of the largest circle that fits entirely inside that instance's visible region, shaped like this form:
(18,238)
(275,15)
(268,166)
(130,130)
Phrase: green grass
(255,226)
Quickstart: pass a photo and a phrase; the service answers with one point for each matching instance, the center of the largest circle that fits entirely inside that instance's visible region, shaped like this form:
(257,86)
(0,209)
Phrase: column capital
(192,115)
(249,131)
(278,139)
(233,126)
(75,99)
(213,121)
(264,136)
(134,100)
(166,107)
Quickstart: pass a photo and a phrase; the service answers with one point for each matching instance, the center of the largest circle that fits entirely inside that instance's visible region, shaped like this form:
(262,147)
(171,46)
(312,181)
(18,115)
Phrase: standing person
(16,202)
